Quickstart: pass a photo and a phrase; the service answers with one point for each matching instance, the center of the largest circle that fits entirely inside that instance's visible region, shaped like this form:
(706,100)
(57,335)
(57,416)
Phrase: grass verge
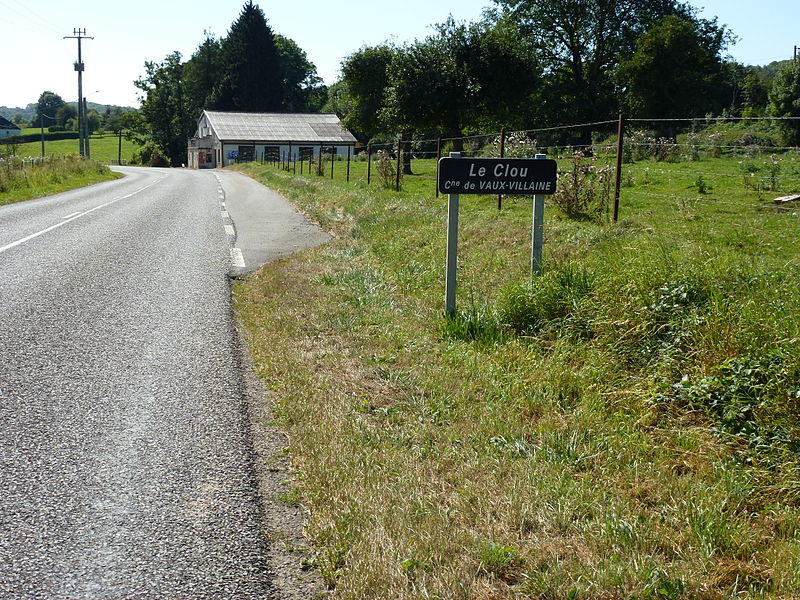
(34,178)
(624,426)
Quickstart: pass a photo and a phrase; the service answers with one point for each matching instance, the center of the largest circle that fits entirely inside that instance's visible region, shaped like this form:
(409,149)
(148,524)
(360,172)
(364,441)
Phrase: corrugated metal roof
(278,127)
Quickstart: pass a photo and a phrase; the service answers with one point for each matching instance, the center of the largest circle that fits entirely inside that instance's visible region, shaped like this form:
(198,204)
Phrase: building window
(272,153)
(245,154)
(306,152)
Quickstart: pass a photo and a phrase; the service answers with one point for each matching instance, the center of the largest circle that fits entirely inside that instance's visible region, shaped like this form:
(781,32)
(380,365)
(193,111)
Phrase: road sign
(509,176)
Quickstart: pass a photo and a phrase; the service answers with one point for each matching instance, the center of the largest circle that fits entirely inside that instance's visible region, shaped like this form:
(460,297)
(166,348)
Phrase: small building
(225,138)
(7,128)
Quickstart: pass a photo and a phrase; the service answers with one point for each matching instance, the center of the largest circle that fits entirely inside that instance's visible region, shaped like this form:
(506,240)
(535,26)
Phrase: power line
(31,13)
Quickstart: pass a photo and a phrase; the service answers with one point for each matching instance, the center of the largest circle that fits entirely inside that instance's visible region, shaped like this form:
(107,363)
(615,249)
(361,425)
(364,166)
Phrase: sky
(36,57)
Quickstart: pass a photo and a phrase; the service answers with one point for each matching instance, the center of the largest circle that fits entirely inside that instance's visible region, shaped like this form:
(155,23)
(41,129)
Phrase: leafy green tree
(338,100)
(300,82)
(784,101)
(463,76)
(47,109)
(251,79)
(363,86)
(755,93)
(676,70)
(580,43)
(202,74)
(112,118)
(93,120)
(167,120)
(66,114)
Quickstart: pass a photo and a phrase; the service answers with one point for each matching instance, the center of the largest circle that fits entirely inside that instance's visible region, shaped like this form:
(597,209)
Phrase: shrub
(387,168)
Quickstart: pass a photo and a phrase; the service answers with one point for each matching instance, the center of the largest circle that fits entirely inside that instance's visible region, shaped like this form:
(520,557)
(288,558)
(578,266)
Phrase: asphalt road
(126,456)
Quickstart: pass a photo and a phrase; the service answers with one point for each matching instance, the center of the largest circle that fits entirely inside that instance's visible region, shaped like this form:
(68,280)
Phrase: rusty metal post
(620,141)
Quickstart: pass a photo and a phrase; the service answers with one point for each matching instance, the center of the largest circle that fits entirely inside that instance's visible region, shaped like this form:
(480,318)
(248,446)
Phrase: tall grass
(23,178)
(624,426)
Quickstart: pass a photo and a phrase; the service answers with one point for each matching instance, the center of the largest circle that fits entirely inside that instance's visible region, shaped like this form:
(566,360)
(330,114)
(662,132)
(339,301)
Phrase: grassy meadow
(103,147)
(623,426)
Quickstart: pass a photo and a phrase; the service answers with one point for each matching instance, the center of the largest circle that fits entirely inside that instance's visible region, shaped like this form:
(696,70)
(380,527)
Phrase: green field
(103,147)
(624,426)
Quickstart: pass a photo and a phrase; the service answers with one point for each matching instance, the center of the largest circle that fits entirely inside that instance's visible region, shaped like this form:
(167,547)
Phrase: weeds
(585,190)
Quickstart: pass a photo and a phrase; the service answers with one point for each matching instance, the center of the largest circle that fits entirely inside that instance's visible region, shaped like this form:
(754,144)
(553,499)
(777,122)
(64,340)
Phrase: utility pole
(80,34)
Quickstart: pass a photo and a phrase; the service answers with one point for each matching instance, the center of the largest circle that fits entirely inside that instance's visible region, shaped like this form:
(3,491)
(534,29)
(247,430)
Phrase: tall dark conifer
(252,80)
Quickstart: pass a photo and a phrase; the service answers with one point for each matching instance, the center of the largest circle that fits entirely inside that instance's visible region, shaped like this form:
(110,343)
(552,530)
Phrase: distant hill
(27,113)
(30,111)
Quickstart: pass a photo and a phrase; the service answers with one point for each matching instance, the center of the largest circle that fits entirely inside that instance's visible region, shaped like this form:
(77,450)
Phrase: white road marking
(237,258)
(69,216)
(225,214)
(230,230)
(70,219)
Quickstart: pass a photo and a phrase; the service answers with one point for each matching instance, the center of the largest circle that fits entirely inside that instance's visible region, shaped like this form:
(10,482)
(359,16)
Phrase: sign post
(537,232)
(452,249)
(509,176)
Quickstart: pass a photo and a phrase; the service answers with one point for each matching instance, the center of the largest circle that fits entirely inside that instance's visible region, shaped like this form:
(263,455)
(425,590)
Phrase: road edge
(289,552)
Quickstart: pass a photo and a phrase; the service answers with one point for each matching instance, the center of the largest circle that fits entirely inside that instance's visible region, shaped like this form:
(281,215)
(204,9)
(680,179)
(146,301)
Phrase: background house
(225,138)
(7,128)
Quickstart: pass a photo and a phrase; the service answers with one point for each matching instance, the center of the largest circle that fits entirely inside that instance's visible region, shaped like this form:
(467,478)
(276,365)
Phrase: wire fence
(686,160)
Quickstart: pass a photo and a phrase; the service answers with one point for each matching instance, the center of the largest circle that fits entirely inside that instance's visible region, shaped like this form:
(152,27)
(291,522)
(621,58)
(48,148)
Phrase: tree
(299,79)
(338,100)
(580,42)
(66,114)
(676,70)
(93,120)
(202,74)
(112,118)
(46,109)
(755,93)
(362,88)
(167,121)
(784,101)
(464,75)
(252,75)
